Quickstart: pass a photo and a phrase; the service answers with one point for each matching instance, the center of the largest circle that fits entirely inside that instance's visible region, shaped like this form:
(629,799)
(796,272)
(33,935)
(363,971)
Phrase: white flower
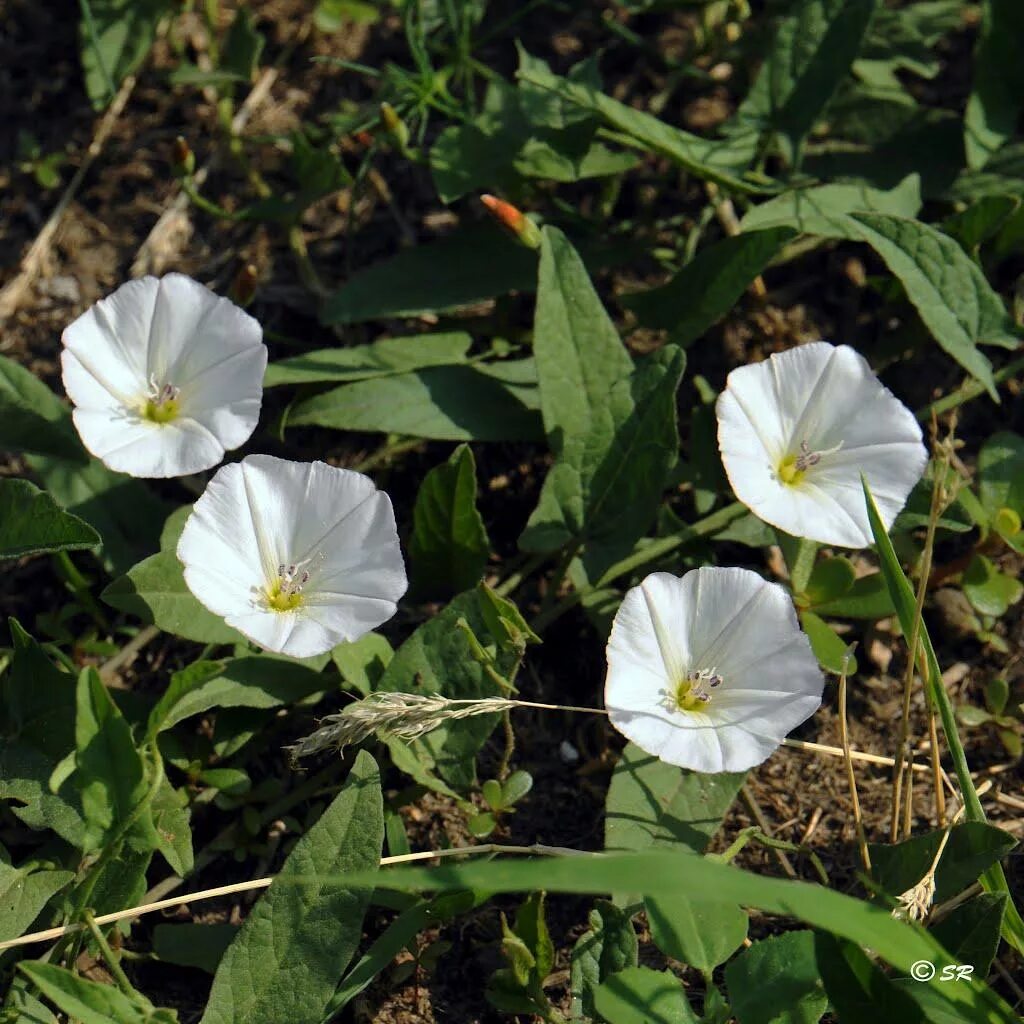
(165,377)
(709,671)
(297,556)
(797,431)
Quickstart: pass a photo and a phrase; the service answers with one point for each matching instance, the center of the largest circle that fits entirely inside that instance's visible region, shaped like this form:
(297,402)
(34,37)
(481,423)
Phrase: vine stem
(263,883)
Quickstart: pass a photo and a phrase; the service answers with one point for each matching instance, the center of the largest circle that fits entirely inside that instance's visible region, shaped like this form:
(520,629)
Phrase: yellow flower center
(788,472)
(793,468)
(282,598)
(161,411)
(691,692)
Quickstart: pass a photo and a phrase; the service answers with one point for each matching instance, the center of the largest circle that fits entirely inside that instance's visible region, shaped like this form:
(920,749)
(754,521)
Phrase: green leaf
(332,15)
(654,804)
(109,772)
(172,825)
(775,981)
(32,523)
(255,681)
(155,591)
(533,930)
(115,37)
(608,946)
(123,510)
(438,658)
(814,47)
(89,1002)
(902,593)
(997,98)
(639,995)
(193,945)
(723,162)
(449,546)
(1001,469)
(867,598)
(709,285)
(443,403)
(831,579)
(858,990)
(364,362)
(515,787)
(971,849)
(702,935)
(23,894)
(809,208)
(293,948)
(677,872)
(32,418)
(990,591)
(981,221)
(37,734)
(242,47)
(504,621)
(468,266)
(362,662)
(612,427)
(829,648)
(971,931)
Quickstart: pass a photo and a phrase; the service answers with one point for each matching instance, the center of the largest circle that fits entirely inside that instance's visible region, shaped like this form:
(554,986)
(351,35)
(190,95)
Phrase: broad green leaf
(442,403)
(830,579)
(639,995)
(172,825)
(32,418)
(115,36)
(814,46)
(903,597)
(859,991)
(293,948)
(37,733)
(248,682)
(124,511)
(109,771)
(362,662)
(1001,472)
(438,658)
(702,935)
(809,208)
(22,1004)
(32,523)
(90,1002)
(449,546)
(867,598)
(723,162)
(468,266)
(971,931)
(155,591)
(828,646)
(363,362)
(678,872)
(608,946)
(972,847)
(775,981)
(193,945)
(612,427)
(709,285)
(242,46)
(995,103)
(121,880)
(23,894)
(981,221)
(990,591)
(654,804)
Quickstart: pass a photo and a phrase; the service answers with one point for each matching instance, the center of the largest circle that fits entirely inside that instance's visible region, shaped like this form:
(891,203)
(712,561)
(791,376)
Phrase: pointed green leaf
(32,418)
(291,952)
(362,662)
(90,1002)
(32,523)
(829,648)
(702,935)
(775,981)
(608,946)
(639,995)
(23,894)
(971,931)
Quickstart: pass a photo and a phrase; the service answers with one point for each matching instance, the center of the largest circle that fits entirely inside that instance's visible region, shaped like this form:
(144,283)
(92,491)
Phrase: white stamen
(807,458)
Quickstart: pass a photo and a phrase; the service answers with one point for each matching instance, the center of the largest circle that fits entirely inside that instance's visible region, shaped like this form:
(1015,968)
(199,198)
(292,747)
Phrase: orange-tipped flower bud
(183,160)
(513,220)
(243,287)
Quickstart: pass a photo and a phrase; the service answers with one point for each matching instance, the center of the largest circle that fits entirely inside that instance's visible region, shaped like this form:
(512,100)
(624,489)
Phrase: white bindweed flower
(797,431)
(165,376)
(297,556)
(710,670)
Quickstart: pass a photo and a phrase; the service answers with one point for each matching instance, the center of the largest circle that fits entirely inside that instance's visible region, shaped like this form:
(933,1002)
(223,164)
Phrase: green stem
(207,206)
(651,552)
(969,390)
(109,957)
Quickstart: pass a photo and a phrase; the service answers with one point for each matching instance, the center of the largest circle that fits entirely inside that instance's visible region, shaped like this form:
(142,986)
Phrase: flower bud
(243,287)
(394,125)
(513,220)
(183,160)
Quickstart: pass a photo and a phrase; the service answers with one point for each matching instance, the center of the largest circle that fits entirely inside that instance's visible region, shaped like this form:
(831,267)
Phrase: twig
(263,883)
(128,653)
(858,821)
(857,755)
(726,214)
(12,294)
(755,809)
